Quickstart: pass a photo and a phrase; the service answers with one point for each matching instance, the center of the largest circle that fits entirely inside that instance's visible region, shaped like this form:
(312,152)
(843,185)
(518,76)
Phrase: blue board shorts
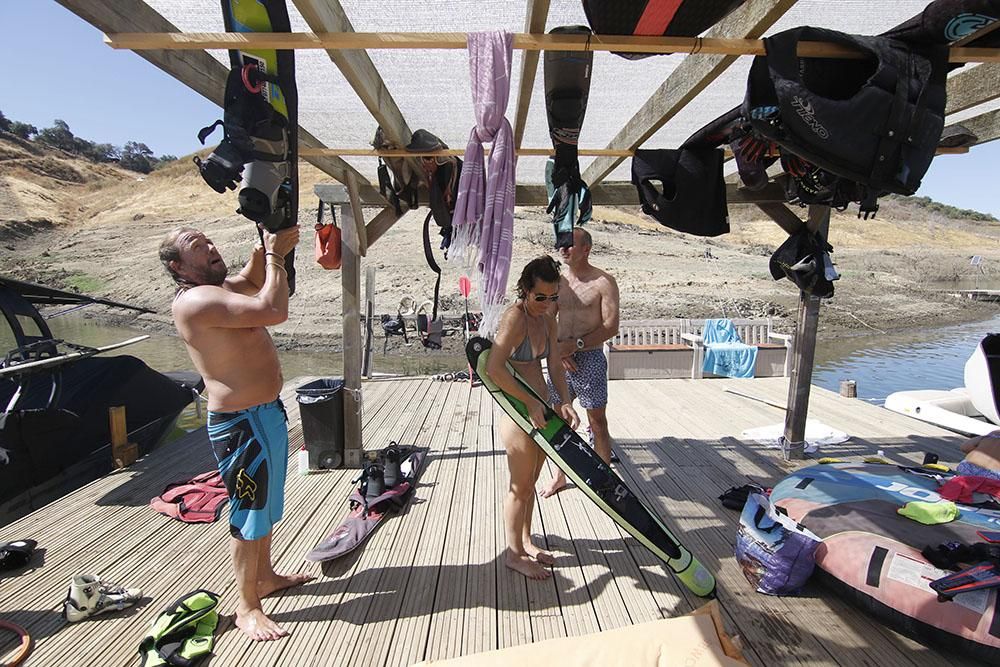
(251,447)
(589,382)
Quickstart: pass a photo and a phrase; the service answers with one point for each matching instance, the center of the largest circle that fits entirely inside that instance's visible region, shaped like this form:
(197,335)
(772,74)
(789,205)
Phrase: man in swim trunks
(222,321)
(587,316)
(982,456)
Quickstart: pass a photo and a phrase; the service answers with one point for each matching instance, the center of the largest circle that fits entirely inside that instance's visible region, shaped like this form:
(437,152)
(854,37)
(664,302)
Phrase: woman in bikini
(527,334)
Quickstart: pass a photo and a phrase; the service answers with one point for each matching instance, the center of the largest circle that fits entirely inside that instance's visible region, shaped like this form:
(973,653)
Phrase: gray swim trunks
(589,382)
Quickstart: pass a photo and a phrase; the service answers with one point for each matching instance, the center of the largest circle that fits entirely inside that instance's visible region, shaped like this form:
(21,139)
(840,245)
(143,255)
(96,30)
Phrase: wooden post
(800,381)
(123,452)
(350,271)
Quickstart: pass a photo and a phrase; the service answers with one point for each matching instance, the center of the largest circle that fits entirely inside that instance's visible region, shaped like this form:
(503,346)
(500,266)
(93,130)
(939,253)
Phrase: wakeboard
(260,123)
(568,450)
(368,511)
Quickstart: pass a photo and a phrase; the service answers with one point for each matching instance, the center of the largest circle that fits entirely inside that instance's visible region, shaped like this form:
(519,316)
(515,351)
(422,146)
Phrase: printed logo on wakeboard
(966,24)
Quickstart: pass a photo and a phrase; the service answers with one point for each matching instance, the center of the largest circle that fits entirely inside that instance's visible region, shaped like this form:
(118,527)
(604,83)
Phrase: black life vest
(804,258)
(683,189)
(876,121)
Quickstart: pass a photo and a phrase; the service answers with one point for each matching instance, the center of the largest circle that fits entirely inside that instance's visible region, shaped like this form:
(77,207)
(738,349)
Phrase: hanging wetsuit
(567,87)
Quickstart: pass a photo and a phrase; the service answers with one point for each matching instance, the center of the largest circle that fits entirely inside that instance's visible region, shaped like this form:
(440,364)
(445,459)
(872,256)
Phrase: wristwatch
(579,343)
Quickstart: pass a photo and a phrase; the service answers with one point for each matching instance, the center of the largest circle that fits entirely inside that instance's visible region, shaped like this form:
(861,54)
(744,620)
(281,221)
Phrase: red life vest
(198,500)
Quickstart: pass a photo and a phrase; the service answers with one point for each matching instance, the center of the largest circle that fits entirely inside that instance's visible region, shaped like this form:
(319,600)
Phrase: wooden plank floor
(429,584)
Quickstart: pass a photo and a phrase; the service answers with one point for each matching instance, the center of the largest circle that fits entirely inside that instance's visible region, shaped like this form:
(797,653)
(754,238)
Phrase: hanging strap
(429,256)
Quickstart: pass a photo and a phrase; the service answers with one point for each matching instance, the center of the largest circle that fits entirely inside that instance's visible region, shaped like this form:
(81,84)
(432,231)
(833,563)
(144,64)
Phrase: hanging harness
(810,108)
(398,178)
(199,500)
(183,633)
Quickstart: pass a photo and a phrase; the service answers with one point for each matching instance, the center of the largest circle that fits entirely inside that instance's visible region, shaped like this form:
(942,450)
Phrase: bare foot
(259,627)
(553,487)
(540,555)
(279,582)
(525,566)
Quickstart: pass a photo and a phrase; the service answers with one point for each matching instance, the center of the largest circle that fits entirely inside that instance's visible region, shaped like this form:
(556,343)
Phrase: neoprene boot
(390,467)
(375,485)
(89,596)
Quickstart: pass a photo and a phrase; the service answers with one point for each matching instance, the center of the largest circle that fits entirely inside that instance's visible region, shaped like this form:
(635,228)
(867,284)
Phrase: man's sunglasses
(542,297)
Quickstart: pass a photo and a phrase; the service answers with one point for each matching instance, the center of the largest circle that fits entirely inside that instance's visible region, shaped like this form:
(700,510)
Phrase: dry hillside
(67,222)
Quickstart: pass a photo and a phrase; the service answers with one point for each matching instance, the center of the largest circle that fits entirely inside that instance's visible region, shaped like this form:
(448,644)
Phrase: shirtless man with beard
(587,316)
(222,321)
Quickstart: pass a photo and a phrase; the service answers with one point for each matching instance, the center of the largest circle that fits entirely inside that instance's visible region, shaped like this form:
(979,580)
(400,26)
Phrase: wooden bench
(649,349)
(774,350)
(673,348)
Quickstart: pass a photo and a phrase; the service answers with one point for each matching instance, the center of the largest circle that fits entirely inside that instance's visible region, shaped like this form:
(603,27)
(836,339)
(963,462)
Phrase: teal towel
(725,353)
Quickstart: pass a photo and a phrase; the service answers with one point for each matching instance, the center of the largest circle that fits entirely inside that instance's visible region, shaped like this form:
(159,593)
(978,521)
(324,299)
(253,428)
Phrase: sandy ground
(67,223)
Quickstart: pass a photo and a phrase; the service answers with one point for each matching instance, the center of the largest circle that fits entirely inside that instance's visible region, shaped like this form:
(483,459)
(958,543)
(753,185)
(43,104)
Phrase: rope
(358,398)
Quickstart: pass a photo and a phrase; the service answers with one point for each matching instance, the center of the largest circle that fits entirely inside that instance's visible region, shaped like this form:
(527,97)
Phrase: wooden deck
(429,583)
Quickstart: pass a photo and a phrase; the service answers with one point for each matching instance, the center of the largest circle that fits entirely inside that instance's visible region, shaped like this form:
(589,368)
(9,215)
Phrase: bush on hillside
(4,123)
(948,211)
(22,130)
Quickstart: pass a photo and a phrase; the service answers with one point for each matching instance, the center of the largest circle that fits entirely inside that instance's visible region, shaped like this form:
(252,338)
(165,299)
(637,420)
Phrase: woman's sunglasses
(542,297)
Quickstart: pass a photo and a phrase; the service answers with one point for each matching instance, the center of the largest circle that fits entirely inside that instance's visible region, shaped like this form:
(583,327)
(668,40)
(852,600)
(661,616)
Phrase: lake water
(932,358)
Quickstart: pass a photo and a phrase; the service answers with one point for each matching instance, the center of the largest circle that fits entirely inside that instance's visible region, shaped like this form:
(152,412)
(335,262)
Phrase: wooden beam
(624,194)
(783,216)
(688,80)
(542,152)
(197,70)
(800,382)
(328,16)
(378,226)
(978,85)
(138,41)
(534,23)
(358,215)
(985,126)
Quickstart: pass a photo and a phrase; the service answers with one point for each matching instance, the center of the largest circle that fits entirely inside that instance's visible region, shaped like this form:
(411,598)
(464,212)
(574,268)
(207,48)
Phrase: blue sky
(116,96)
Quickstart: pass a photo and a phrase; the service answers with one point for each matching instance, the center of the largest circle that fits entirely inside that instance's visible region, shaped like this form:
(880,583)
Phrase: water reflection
(884,363)
(880,363)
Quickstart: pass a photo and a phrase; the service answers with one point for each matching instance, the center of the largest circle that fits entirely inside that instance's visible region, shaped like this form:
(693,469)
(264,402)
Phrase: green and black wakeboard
(260,147)
(595,478)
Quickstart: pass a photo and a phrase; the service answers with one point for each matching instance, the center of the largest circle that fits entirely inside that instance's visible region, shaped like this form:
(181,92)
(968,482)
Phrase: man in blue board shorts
(223,321)
(587,316)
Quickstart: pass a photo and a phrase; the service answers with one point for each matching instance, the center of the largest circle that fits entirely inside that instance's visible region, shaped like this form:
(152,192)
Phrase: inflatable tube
(982,377)
(872,555)
(24,650)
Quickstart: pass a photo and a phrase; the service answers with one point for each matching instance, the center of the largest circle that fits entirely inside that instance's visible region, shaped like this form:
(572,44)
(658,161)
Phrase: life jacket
(328,238)
(198,500)
(441,176)
(655,17)
(398,177)
(683,189)
(183,633)
(875,121)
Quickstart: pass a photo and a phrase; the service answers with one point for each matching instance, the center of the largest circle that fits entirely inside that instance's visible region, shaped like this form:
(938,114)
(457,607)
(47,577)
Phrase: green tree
(59,136)
(137,157)
(23,130)
(4,123)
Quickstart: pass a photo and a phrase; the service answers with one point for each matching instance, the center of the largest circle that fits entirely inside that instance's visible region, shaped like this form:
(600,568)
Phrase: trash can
(321,406)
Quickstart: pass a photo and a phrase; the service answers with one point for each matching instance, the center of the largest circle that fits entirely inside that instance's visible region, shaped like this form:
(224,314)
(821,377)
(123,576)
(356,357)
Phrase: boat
(972,409)
(55,397)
